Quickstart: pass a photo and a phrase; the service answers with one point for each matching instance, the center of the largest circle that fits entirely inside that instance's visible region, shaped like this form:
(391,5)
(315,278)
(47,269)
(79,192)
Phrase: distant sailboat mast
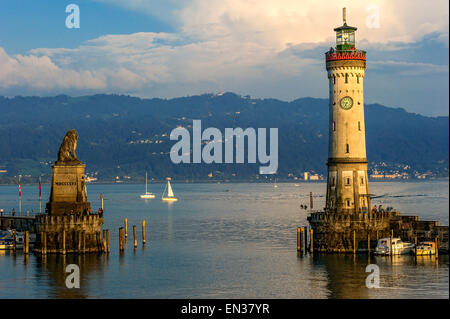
(146,192)
(147,195)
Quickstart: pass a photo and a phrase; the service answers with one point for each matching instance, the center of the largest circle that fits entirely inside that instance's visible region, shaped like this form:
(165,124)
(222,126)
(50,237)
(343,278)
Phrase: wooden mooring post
(44,242)
(63,242)
(14,240)
(299,239)
(26,242)
(436,244)
(143,232)
(84,241)
(104,240)
(134,236)
(121,238)
(79,241)
(390,243)
(107,241)
(311,240)
(126,227)
(305,230)
(354,242)
(415,247)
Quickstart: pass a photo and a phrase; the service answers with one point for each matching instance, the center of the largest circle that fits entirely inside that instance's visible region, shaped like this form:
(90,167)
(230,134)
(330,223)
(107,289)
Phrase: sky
(261,48)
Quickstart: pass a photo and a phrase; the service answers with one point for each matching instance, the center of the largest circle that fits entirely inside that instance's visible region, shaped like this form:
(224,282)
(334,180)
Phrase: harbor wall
(67,234)
(356,233)
(19,223)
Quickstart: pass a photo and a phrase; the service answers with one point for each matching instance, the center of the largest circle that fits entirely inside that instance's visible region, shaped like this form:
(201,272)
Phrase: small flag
(39,188)
(20,188)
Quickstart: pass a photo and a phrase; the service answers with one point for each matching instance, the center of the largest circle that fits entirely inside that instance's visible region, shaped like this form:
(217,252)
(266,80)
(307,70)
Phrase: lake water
(234,240)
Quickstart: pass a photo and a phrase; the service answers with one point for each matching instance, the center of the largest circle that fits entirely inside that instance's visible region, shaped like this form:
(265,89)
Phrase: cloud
(280,22)
(265,48)
(40,73)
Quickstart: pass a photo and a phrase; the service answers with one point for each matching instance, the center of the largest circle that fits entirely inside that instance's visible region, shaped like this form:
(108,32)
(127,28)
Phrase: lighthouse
(347,225)
(347,182)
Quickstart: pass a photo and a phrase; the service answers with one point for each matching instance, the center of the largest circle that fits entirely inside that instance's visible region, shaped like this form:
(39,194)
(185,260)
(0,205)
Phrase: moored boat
(398,247)
(7,241)
(147,194)
(427,248)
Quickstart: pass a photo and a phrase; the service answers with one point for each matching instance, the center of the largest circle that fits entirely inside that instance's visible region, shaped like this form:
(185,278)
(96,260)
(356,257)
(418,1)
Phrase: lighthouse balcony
(338,55)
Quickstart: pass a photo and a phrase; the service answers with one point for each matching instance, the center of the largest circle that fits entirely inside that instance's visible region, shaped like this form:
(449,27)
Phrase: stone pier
(82,233)
(349,233)
(19,223)
(68,226)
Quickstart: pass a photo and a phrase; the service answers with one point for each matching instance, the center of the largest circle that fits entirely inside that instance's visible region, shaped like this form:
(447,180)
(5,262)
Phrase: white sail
(169,190)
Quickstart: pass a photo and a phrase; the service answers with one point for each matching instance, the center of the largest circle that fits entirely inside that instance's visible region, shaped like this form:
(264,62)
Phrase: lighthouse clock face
(346,103)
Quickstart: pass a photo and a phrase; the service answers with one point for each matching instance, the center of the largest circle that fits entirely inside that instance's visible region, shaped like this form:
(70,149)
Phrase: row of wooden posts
(123,235)
(303,246)
(26,241)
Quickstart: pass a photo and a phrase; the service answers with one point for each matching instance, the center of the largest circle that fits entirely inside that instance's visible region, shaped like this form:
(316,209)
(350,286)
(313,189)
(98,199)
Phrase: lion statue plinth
(66,153)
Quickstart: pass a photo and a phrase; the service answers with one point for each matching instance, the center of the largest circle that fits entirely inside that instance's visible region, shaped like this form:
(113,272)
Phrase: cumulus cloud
(40,72)
(267,48)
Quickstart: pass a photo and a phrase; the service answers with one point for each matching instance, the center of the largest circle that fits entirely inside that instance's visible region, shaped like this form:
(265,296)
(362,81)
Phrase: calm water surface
(226,241)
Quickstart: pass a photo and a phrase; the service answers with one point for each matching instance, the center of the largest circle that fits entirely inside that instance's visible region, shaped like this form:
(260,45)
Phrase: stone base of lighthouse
(355,233)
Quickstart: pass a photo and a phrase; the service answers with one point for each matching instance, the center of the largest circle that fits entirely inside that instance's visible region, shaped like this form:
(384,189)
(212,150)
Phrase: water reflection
(240,243)
(400,276)
(52,272)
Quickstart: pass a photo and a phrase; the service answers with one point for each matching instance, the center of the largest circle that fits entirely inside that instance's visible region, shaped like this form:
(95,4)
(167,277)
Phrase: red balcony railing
(345,55)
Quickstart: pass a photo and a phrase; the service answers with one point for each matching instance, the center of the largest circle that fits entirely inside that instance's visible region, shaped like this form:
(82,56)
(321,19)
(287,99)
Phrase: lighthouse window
(357,79)
(334,80)
(334,126)
(359,126)
(333,181)
(348,202)
(362,180)
(347,149)
(347,181)
(346,77)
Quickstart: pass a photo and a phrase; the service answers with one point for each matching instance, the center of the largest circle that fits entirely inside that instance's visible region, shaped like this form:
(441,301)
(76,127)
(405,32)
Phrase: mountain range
(121,137)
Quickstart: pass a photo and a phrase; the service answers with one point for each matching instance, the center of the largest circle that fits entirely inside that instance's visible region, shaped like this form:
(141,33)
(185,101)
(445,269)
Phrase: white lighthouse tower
(344,227)
(347,186)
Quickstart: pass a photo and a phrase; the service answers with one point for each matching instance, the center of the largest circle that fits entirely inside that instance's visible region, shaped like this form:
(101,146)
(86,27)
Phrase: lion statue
(68,146)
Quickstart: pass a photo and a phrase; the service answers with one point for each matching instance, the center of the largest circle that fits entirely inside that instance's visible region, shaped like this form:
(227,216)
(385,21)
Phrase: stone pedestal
(68,226)
(68,192)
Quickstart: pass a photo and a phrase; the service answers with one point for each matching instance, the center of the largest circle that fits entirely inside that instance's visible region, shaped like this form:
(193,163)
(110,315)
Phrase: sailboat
(170,197)
(147,195)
